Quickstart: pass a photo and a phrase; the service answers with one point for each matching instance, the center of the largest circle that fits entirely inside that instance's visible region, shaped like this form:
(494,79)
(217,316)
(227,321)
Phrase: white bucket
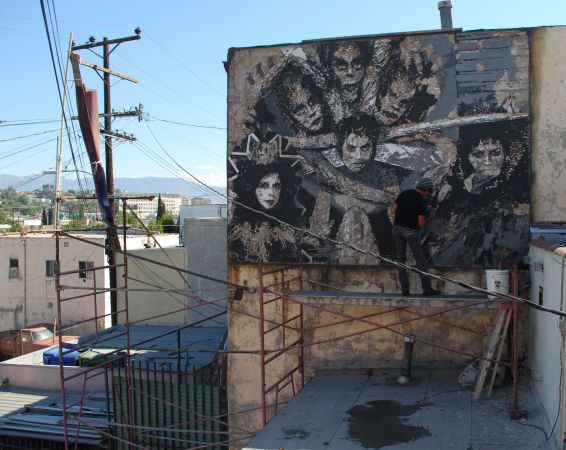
(497,280)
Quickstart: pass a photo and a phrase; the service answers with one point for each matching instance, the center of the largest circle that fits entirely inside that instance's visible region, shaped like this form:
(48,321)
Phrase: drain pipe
(445,14)
(405,377)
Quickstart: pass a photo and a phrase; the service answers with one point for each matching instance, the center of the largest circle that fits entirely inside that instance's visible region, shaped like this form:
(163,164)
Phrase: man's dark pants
(402,237)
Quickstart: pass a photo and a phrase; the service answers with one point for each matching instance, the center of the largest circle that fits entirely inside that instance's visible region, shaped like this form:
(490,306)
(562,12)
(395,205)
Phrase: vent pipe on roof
(445,8)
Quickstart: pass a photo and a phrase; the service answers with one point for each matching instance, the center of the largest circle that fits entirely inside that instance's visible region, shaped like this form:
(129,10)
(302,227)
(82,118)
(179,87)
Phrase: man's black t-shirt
(410,205)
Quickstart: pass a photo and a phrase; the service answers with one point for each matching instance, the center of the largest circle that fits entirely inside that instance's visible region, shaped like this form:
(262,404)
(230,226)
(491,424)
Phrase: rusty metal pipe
(405,377)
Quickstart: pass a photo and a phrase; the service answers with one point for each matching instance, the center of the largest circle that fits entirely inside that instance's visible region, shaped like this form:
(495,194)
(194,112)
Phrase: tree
(4,217)
(160,209)
(168,224)
(43,216)
(50,217)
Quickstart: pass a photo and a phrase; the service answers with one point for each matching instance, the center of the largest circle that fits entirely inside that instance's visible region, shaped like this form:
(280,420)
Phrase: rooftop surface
(201,343)
(34,414)
(369,410)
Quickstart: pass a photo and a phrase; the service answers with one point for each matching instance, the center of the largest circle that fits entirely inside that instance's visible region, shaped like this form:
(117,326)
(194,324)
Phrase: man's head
(356,141)
(297,92)
(300,98)
(347,61)
(425,186)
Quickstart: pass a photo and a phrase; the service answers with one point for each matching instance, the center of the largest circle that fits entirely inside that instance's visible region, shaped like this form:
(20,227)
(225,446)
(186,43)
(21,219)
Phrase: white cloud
(210,174)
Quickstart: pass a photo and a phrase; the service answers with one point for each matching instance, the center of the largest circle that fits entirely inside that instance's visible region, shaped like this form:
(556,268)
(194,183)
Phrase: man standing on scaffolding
(410,217)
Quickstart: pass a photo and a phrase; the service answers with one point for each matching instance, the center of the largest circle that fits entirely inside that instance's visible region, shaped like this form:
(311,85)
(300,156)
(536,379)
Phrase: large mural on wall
(324,135)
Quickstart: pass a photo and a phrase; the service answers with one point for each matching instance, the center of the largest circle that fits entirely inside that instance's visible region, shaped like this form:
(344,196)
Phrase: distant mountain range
(130,185)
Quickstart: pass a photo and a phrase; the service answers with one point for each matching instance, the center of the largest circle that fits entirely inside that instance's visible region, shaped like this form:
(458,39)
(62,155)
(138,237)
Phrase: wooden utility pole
(112,234)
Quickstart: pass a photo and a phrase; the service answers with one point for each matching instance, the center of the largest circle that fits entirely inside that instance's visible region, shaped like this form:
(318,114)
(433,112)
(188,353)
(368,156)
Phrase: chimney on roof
(445,8)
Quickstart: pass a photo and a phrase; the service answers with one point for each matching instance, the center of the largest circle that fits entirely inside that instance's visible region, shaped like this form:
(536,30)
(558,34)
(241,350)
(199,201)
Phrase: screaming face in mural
(346,65)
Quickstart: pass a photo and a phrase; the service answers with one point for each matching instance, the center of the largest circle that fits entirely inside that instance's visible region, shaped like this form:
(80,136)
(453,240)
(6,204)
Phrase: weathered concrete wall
(164,288)
(380,348)
(206,253)
(548,80)
(547,342)
(31,297)
(28,371)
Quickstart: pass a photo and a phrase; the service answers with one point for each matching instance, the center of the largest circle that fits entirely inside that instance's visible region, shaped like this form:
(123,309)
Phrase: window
(14,269)
(49,269)
(26,336)
(85,269)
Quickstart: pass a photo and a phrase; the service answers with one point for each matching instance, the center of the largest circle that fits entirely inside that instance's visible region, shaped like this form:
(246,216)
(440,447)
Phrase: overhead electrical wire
(174,91)
(58,76)
(374,255)
(29,135)
(187,68)
(187,124)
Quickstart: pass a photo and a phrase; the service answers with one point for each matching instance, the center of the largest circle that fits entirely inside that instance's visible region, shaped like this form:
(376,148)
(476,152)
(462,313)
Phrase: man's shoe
(431,292)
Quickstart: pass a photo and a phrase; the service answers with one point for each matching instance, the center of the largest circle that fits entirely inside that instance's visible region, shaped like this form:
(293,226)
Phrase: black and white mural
(324,135)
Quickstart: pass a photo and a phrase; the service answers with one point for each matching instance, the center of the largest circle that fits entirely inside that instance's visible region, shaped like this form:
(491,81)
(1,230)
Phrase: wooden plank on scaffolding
(494,339)
(509,313)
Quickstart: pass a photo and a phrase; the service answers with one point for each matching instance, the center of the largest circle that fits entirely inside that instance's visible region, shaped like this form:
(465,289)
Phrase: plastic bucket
(497,280)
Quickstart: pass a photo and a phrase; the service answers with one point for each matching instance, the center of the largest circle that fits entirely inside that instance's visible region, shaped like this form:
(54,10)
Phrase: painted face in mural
(357,151)
(348,65)
(304,108)
(268,190)
(398,100)
(487,159)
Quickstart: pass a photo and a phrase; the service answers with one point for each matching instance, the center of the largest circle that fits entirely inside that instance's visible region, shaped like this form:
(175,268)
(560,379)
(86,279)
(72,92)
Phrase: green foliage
(168,224)
(4,217)
(16,227)
(43,216)
(160,209)
(74,225)
(154,225)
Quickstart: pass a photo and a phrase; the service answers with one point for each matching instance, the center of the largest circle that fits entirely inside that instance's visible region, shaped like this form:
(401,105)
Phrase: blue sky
(179,64)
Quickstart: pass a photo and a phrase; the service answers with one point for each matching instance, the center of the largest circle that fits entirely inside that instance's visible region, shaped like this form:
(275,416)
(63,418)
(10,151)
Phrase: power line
(376,256)
(186,67)
(188,124)
(4,123)
(29,135)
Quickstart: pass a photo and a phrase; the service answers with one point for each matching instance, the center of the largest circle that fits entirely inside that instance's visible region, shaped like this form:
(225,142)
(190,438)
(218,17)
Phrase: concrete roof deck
(162,341)
(357,410)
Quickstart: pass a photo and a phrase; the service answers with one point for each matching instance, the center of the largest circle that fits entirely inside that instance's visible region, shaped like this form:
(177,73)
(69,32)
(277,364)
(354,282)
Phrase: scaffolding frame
(128,398)
(281,291)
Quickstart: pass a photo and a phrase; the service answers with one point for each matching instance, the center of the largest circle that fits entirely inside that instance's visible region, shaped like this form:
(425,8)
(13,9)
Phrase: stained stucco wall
(547,331)
(31,297)
(548,120)
(162,290)
(206,253)
(381,348)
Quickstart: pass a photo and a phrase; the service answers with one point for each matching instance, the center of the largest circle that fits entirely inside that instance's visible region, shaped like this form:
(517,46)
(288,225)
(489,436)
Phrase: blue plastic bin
(51,355)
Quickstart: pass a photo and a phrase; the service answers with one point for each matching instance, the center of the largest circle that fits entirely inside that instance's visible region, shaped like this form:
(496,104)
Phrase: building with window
(147,209)
(27,278)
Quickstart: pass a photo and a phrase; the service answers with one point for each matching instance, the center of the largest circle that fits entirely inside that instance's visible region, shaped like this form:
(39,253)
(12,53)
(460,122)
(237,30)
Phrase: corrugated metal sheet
(36,416)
